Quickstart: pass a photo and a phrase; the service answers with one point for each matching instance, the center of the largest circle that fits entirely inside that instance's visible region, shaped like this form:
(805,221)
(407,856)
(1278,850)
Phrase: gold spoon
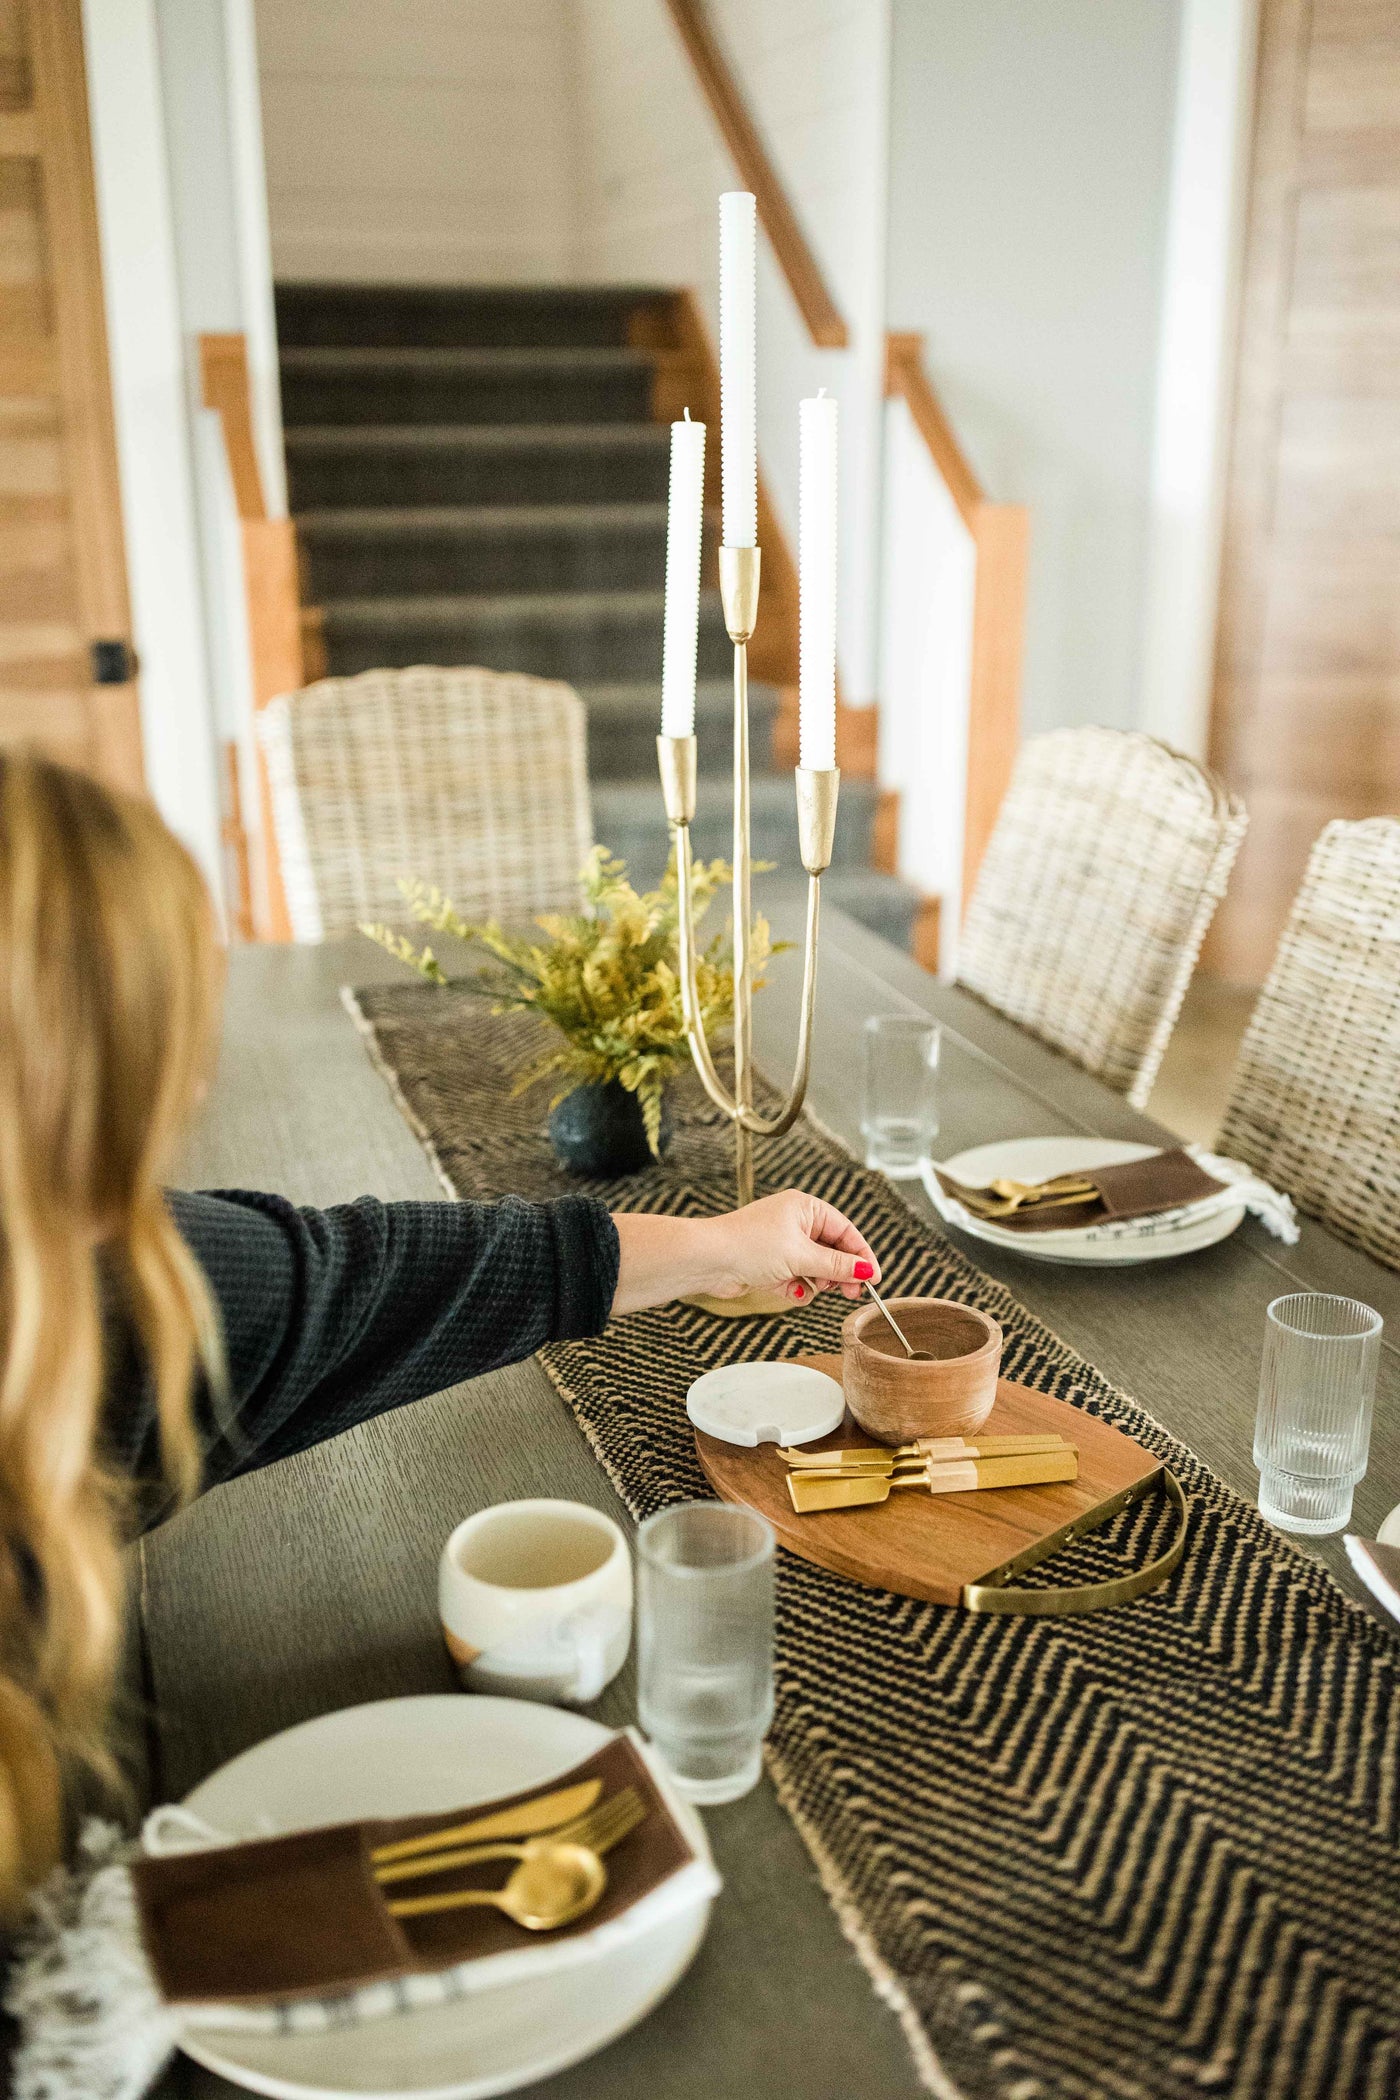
(553,1885)
(917,1356)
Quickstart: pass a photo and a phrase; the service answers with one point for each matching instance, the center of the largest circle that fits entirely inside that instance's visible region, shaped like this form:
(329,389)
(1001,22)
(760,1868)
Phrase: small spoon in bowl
(917,1356)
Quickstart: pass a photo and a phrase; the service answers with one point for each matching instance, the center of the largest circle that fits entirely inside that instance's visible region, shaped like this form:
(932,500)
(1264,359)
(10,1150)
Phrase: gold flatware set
(856,1477)
(1003,1198)
(557,1841)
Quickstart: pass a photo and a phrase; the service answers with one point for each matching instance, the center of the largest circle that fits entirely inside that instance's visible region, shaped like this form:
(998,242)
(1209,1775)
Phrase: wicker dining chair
(1107,861)
(475,780)
(1314,1103)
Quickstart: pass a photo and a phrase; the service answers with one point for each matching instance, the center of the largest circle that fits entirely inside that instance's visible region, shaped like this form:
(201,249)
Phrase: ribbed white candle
(737,373)
(816,543)
(685,516)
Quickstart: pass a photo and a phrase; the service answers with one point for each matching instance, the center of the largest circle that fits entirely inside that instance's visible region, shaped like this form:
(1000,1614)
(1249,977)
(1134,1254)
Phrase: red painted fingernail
(864,1271)
(799,1290)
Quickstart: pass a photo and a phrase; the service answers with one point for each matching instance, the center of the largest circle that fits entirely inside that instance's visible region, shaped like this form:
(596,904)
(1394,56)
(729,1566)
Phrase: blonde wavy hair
(109,986)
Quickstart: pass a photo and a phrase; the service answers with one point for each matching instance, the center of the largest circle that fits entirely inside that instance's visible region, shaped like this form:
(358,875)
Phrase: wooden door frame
(57,136)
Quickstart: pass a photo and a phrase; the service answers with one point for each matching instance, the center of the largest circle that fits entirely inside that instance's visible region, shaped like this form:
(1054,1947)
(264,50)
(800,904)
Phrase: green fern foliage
(607,979)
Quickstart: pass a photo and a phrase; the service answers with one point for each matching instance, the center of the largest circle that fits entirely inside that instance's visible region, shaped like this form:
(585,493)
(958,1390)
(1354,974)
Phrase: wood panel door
(66,668)
(1306,721)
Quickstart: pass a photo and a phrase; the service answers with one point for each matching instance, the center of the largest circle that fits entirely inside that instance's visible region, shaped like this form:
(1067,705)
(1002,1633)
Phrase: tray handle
(994,1592)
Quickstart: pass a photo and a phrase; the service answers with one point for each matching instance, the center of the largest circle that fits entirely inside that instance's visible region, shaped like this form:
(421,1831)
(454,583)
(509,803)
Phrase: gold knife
(526,1819)
(1031,1469)
(931,1449)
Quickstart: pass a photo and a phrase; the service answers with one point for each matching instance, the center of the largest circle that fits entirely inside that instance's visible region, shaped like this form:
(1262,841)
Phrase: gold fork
(556,1879)
(600,1827)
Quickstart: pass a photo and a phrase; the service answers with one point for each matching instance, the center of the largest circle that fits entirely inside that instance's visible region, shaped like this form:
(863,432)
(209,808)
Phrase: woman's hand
(792,1243)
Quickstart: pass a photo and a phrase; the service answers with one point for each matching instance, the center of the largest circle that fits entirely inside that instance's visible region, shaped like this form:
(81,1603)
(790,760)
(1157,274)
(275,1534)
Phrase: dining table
(310,1585)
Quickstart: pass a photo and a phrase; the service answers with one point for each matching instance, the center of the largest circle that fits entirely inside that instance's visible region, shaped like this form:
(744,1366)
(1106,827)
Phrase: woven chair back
(1315,1099)
(476,781)
(1109,856)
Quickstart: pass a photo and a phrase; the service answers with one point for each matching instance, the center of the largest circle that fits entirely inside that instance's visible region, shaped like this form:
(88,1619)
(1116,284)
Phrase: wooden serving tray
(934,1546)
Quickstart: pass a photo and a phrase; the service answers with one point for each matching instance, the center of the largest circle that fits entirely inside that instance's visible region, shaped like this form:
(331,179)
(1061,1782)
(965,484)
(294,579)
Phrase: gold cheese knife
(960,1477)
(934,1449)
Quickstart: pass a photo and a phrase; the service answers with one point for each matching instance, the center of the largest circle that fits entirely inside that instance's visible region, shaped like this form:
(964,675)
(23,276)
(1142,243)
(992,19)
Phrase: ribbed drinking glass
(899,1118)
(1317,1388)
(705,1644)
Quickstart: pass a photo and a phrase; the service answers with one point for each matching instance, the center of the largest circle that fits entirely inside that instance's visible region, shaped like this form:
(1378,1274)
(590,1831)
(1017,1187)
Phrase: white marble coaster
(765,1404)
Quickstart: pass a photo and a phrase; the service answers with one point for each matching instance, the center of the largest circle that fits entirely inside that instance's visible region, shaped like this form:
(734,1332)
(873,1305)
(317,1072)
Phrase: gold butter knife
(935,1449)
(526,1819)
(962,1477)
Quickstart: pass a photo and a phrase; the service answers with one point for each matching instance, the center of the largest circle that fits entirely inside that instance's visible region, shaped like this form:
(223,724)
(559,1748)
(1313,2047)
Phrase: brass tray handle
(994,1593)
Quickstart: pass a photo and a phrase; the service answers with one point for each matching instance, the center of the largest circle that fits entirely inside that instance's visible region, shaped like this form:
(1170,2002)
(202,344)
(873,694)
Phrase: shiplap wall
(652,165)
(431,141)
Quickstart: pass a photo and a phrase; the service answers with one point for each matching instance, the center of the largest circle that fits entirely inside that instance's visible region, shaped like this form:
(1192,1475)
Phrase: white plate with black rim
(1133,1240)
(408,1757)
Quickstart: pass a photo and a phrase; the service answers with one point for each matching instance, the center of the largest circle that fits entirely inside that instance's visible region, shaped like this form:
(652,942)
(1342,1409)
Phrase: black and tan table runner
(1147,1855)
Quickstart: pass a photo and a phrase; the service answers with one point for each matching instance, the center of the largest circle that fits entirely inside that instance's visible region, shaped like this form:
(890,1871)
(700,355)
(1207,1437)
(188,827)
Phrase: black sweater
(333,1316)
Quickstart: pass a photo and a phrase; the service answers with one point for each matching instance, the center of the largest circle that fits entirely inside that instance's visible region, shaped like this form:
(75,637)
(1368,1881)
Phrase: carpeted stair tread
(628,816)
(589,636)
(623,721)
(409,383)
(380,315)
(473,437)
(432,549)
(410,465)
(464,361)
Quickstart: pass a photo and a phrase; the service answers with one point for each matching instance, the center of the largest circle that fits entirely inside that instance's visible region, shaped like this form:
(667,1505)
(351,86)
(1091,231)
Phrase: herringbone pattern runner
(1148,1855)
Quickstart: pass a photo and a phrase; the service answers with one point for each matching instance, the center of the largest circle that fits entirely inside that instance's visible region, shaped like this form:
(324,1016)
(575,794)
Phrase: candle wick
(821,393)
(687,415)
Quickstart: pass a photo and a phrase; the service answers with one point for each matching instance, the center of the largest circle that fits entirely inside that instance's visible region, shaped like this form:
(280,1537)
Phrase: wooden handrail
(1001,540)
(906,377)
(225,386)
(779,221)
(272,596)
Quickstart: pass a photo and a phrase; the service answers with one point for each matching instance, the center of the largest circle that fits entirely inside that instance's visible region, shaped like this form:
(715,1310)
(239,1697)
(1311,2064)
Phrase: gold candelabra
(816,823)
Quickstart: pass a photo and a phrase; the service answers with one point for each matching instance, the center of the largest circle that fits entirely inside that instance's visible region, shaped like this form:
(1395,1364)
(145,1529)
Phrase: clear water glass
(705,1644)
(899,1119)
(1317,1388)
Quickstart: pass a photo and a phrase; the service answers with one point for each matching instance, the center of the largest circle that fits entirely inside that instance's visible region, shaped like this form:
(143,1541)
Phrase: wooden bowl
(896,1399)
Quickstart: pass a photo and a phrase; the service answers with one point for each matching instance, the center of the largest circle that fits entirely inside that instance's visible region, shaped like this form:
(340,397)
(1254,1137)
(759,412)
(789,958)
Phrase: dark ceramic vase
(598,1130)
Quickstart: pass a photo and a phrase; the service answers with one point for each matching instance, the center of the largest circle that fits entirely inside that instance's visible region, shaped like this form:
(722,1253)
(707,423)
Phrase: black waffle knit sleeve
(332,1316)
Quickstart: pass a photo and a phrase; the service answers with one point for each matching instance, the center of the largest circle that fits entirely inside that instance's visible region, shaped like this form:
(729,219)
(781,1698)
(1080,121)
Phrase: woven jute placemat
(1150,1854)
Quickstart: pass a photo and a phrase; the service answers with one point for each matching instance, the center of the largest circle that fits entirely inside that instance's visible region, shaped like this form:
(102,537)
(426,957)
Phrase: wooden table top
(311,1585)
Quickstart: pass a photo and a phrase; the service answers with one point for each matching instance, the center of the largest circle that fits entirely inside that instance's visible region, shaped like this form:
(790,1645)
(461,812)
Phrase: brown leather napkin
(303,1916)
(1139,1188)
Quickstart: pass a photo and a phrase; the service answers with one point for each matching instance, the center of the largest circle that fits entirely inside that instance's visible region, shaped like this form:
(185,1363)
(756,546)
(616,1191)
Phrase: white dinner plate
(1036,1159)
(402,1757)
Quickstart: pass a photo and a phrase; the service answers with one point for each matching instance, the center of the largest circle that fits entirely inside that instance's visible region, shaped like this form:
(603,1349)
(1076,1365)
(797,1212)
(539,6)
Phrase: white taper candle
(737,368)
(685,518)
(816,541)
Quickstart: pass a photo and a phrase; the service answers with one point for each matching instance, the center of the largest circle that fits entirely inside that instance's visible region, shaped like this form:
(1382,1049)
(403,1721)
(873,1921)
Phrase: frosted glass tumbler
(1317,1388)
(899,1120)
(705,1644)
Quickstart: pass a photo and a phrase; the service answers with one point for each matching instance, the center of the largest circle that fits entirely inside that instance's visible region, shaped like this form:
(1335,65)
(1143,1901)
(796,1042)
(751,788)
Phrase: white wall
(419,139)
(929,574)
(135,217)
(1030,169)
(814,73)
(1205,244)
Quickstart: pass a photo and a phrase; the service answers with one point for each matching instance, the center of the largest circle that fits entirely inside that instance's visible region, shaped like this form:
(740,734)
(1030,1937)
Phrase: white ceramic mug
(536,1600)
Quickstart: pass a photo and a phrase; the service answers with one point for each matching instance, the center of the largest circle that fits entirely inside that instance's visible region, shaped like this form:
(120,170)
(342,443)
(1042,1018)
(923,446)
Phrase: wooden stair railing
(1001,537)
(273,602)
(779,221)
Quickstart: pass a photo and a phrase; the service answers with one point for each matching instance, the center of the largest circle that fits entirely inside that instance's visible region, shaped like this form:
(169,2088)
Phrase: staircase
(477,477)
